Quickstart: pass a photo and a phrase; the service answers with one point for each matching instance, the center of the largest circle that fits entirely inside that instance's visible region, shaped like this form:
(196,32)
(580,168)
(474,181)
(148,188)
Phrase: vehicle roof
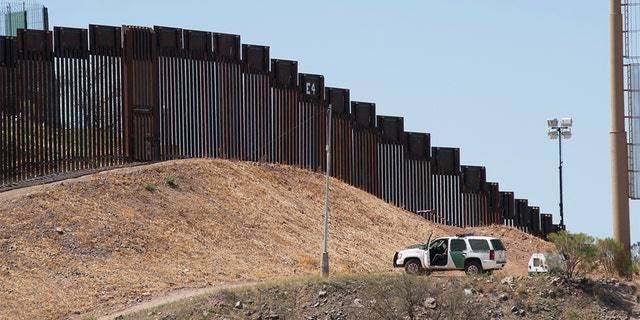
(468,236)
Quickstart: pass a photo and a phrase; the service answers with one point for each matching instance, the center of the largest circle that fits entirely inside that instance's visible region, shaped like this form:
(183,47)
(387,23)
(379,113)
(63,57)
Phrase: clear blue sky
(479,75)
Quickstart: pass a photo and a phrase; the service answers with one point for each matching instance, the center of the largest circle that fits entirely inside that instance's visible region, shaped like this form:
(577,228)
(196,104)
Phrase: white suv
(473,254)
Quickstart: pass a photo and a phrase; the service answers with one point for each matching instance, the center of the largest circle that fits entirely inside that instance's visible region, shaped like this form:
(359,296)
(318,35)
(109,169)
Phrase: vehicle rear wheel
(413,267)
(472,268)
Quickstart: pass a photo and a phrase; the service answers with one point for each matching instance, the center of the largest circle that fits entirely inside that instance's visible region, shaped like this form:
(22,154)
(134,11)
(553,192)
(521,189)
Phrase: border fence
(81,99)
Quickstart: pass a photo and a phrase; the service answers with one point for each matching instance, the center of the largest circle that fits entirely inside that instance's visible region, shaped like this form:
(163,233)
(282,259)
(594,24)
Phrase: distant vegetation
(584,254)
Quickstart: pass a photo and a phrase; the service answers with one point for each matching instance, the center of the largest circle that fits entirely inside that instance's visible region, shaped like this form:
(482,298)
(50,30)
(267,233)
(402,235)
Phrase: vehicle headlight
(399,255)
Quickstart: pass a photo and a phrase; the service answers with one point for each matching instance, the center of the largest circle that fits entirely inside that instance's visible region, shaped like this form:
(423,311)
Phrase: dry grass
(105,241)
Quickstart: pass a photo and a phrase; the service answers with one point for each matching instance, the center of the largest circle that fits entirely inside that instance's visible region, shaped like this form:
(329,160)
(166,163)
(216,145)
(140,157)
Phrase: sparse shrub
(614,258)
(170,180)
(489,288)
(399,298)
(454,303)
(486,286)
(149,186)
(410,297)
(556,264)
(579,251)
(572,315)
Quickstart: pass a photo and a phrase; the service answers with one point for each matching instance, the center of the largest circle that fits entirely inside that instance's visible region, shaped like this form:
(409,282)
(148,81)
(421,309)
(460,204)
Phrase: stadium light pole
(562,131)
(324,264)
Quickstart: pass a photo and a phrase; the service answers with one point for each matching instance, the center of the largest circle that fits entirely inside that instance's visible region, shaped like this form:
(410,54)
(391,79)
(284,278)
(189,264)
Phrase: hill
(114,239)
(398,296)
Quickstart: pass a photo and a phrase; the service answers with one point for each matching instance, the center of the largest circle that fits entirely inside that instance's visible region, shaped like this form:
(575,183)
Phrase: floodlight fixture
(562,131)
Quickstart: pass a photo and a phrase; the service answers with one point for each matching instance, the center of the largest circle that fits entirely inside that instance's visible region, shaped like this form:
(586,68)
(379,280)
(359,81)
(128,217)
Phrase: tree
(579,251)
(612,255)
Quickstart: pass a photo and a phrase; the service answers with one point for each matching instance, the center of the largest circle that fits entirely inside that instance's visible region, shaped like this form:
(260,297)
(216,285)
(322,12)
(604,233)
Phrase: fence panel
(312,122)
(228,84)
(521,214)
(365,140)
(391,155)
(341,142)
(75,131)
(473,187)
(9,171)
(546,222)
(181,77)
(534,227)
(493,204)
(198,50)
(257,103)
(173,89)
(418,173)
(142,129)
(285,111)
(446,189)
(37,114)
(507,207)
(106,95)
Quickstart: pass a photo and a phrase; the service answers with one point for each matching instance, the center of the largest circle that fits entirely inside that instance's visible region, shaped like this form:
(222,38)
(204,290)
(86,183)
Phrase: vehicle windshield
(438,243)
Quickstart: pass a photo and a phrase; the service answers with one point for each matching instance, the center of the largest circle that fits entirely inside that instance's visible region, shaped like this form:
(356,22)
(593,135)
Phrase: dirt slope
(104,241)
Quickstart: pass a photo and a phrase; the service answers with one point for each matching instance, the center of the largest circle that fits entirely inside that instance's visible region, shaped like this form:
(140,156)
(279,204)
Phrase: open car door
(427,252)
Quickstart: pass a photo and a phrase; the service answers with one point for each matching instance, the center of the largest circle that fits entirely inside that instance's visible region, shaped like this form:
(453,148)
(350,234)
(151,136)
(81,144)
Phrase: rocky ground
(96,245)
(409,297)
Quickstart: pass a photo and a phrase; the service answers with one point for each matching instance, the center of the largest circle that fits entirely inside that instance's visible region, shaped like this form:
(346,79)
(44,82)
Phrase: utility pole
(618,135)
(325,255)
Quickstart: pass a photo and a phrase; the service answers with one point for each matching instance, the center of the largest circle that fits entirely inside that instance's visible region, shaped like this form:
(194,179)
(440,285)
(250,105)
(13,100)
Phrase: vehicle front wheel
(413,267)
(472,268)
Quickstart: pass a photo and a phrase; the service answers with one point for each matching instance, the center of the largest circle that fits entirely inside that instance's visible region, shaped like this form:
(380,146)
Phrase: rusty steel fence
(77,99)
(62,110)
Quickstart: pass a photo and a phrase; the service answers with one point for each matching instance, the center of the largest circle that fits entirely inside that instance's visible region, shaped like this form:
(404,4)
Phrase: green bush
(579,250)
(614,258)
(170,180)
